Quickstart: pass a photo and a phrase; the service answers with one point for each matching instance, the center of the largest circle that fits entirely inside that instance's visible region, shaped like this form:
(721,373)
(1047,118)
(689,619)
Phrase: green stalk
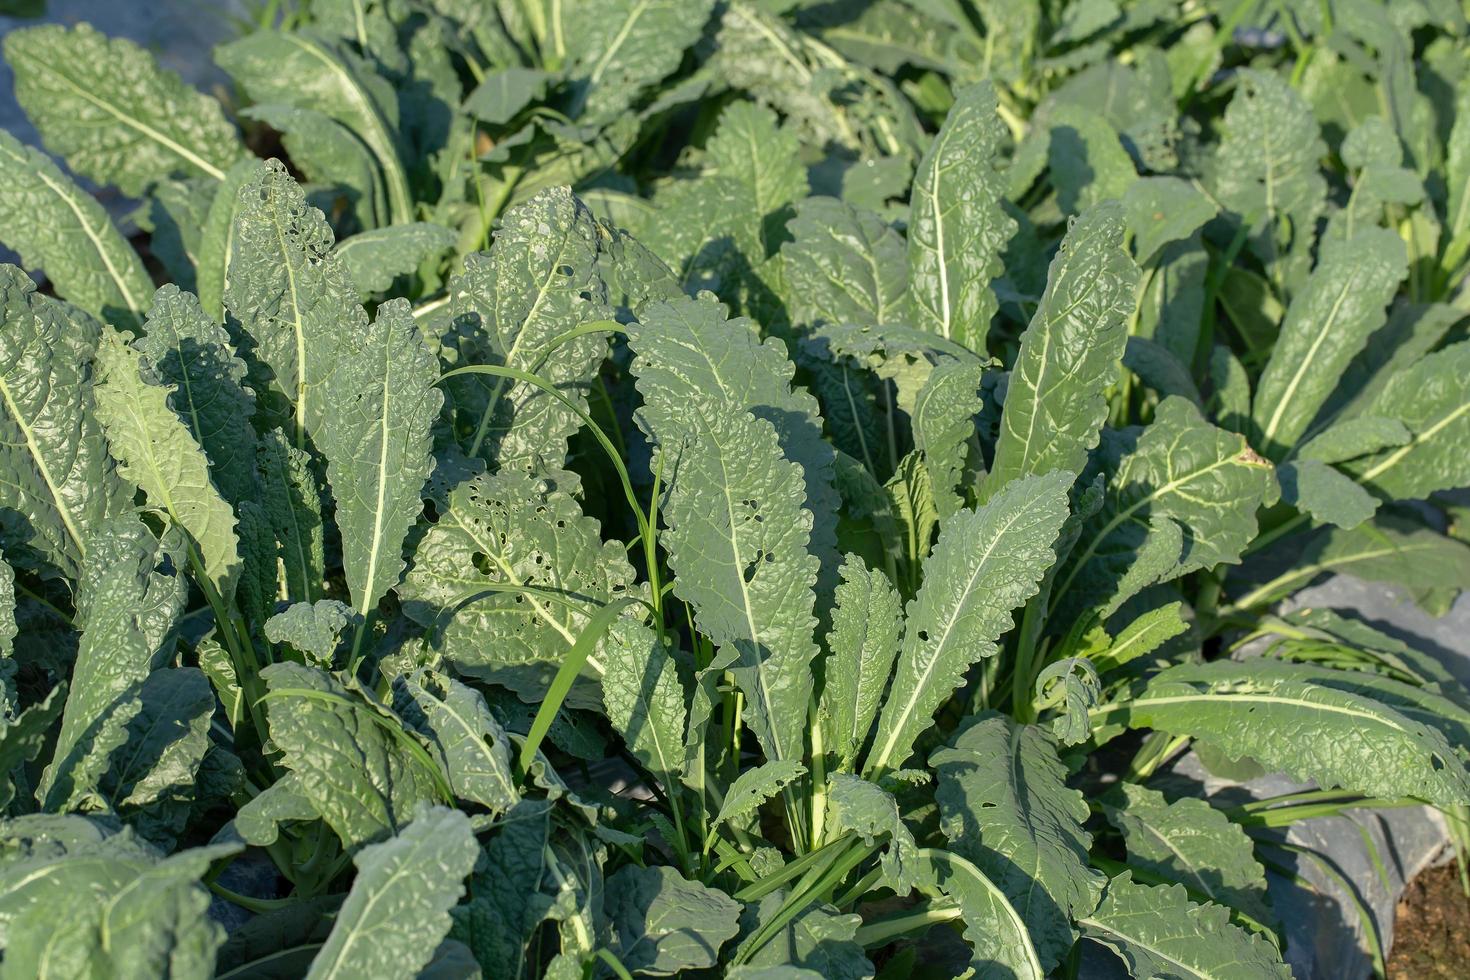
(884,931)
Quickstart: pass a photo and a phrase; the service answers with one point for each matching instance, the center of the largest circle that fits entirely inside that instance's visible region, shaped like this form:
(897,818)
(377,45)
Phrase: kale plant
(587,488)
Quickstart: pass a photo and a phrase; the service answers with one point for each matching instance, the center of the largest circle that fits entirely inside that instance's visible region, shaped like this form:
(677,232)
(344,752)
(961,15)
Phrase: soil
(1431,932)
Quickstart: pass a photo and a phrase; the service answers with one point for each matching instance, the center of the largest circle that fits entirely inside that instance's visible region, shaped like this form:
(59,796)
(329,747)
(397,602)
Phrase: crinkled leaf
(1004,805)
(1000,939)
(1158,932)
(379,401)
(472,748)
(356,774)
(376,257)
(59,480)
(616,49)
(944,426)
(863,644)
(398,908)
(957,227)
(665,924)
(1054,404)
(845,265)
(1303,727)
(754,786)
(61,229)
(313,629)
(107,107)
(986,563)
(155,450)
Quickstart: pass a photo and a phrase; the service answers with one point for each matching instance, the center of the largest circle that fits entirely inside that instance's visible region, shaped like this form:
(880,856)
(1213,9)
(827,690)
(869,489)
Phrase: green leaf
(1189,842)
(1428,398)
(726,360)
(1141,637)
(754,786)
(1303,727)
(986,563)
(1331,498)
(293,505)
(294,301)
(737,528)
(1162,210)
(326,152)
(58,477)
(1087,160)
(1388,548)
(128,602)
(844,266)
(509,576)
(956,228)
(313,629)
(217,237)
(1328,322)
(1000,940)
(117,118)
(863,644)
(863,808)
(348,763)
(504,92)
(61,229)
(617,48)
(507,903)
(109,907)
(819,938)
(398,908)
(538,282)
(1355,437)
(258,822)
(1158,368)
(376,257)
(154,781)
(1158,932)
(944,425)
(1004,805)
(1181,470)
(307,71)
(23,737)
(1457,181)
(665,924)
(644,699)
(469,743)
(750,146)
(1267,166)
(193,353)
(156,451)
(379,401)
(1054,405)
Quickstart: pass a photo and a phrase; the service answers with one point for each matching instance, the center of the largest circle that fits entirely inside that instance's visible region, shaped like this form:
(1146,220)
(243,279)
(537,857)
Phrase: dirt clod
(1431,933)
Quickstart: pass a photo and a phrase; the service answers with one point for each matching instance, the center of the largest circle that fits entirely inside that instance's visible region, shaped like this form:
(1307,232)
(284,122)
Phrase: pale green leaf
(398,908)
(819,938)
(379,401)
(1142,636)
(857,806)
(957,228)
(156,451)
(754,786)
(986,563)
(1303,727)
(1054,405)
(62,230)
(1317,489)
(1160,933)
(217,237)
(1355,437)
(117,118)
(750,146)
(293,507)
(944,425)
(862,644)
(1162,210)
(645,700)
(470,744)
(58,476)
(509,576)
(1328,322)
(313,629)
(1087,160)
(617,48)
(844,266)
(324,151)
